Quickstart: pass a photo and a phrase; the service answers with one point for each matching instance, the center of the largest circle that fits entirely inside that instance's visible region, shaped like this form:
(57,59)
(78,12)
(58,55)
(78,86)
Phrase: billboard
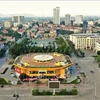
(54,84)
(18,70)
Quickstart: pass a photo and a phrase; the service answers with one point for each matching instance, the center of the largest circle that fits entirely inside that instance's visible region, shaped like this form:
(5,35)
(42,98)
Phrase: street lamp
(16,95)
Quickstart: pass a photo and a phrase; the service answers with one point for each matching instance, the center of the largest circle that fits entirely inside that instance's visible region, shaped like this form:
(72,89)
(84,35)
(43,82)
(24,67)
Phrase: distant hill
(9,15)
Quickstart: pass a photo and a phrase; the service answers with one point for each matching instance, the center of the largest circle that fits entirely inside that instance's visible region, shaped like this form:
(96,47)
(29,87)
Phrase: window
(33,72)
(50,72)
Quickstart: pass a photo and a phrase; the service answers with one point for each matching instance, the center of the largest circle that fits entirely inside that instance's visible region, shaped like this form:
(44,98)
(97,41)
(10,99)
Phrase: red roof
(1,42)
(1,35)
(21,30)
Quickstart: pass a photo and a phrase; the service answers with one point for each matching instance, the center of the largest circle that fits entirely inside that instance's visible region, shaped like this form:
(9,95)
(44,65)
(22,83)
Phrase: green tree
(35,92)
(2,52)
(98,52)
(74,92)
(20,26)
(98,58)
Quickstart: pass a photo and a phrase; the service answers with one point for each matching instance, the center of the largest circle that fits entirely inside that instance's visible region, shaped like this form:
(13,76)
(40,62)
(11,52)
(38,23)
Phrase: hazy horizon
(45,8)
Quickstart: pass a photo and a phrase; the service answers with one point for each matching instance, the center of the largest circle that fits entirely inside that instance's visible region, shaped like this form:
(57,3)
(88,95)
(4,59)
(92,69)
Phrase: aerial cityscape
(49,50)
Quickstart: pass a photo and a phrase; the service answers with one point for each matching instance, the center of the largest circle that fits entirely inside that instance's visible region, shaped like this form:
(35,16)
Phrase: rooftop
(53,60)
(91,35)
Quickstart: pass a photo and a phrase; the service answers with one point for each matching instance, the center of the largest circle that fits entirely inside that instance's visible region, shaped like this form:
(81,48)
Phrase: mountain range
(10,15)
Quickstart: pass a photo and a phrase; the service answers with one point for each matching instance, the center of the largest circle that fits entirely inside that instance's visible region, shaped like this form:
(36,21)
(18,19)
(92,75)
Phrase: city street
(4,59)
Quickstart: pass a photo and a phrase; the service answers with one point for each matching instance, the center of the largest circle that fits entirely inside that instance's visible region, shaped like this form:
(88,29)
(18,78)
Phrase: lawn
(3,81)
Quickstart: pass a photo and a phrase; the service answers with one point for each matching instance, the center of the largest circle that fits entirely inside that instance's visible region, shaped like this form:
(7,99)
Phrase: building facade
(67,19)
(8,24)
(79,19)
(18,19)
(84,41)
(97,46)
(56,15)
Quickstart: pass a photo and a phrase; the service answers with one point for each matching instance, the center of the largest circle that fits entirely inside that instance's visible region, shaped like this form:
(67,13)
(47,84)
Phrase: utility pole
(15,93)
(95,94)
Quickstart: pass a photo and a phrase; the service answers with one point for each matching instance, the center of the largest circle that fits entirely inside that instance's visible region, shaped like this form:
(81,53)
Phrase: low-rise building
(84,41)
(52,33)
(5,31)
(21,31)
(15,28)
(97,46)
(8,38)
(8,24)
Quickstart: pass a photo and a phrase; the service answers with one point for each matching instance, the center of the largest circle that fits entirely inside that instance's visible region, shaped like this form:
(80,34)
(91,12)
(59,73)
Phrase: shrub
(37,81)
(62,92)
(74,92)
(35,92)
(48,93)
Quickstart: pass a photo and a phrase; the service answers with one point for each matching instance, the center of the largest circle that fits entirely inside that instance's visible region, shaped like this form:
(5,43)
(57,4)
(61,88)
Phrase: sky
(45,8)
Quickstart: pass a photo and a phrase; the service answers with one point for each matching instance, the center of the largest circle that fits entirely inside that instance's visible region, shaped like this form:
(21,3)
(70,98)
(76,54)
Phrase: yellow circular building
(45,65)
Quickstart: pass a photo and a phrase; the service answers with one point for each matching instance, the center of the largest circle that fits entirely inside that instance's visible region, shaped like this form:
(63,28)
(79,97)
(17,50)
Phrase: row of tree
(78,52)
(64,32)
(61,92)
(25,46)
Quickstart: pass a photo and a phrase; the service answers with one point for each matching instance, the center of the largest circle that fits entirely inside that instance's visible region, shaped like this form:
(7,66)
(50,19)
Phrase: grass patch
(4,71)
(76,81)
(3,81)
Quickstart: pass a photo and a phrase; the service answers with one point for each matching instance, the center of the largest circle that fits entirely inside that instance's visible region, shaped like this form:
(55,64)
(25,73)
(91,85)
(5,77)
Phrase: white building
(18,19)
(84,41)
(67,19)
(78,19)
(97,46)
(8,24)
(56,15)
(90,23)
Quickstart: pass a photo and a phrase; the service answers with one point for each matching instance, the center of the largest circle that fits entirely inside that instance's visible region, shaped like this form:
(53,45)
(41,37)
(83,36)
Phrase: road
(5,59)
(87,64)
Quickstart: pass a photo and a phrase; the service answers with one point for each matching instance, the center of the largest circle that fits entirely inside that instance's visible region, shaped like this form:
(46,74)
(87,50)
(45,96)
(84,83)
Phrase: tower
(67,19)
(56,15)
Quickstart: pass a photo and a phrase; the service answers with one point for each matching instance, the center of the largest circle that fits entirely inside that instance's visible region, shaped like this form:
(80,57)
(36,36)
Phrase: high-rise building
(85,25)
(18,19)
(56,15)
(67,19)
(79,19)
(8,24)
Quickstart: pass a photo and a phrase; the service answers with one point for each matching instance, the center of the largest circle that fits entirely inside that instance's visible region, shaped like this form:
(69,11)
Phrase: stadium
(39,65)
